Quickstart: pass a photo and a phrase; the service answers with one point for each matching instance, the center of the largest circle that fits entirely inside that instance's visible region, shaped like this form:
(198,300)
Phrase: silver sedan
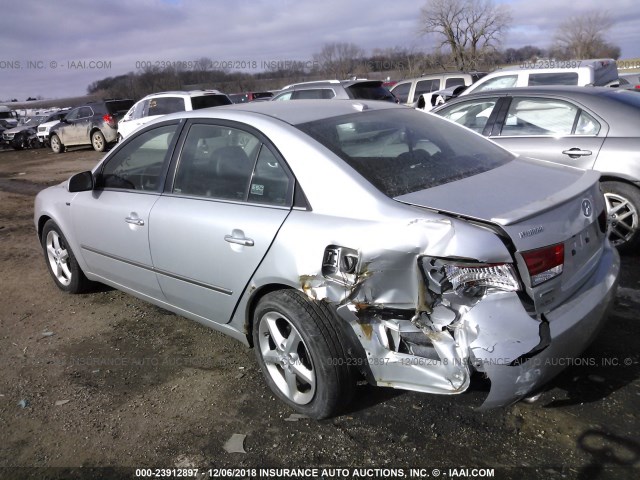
(582,127)
(345,240)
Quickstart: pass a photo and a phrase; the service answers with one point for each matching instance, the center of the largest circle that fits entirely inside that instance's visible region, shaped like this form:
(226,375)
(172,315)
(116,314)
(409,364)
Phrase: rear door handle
(576,152)
(237,237)
(135,221)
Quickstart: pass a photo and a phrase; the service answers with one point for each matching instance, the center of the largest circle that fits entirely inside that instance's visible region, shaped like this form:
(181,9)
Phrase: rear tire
(301,354)
(98,141)
(56,144)
(623,210)
(61,261)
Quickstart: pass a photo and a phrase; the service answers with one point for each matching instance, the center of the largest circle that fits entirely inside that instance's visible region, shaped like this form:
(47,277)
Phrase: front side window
(539,116)
(401,91)
(72,115)
(284,96)
(473,114)
(139,164)
(504,81)
(140,109)
(400,151)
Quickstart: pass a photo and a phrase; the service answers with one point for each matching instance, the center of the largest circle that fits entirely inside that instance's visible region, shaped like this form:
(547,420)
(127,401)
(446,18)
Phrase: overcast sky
(56,49)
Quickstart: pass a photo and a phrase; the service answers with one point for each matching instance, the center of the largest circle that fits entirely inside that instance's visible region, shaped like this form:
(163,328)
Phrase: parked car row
(25,134)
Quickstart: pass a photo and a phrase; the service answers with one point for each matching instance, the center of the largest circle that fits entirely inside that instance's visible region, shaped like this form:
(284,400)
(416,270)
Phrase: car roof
(186,93)
(566,90)
(323,83)
(299,111)
(600,100)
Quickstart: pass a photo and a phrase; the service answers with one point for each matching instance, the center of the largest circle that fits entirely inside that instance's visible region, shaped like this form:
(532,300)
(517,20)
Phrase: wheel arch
(41,221)
(607,177)
(256,296)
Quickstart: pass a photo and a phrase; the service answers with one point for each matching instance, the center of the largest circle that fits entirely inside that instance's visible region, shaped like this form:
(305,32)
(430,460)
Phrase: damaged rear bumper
(497,336)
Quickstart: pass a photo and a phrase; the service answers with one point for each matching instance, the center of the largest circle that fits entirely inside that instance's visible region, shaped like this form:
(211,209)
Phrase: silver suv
(336,89)
(163,103)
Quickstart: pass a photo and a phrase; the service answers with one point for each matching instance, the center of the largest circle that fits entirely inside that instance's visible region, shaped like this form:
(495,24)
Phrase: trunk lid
(538,205)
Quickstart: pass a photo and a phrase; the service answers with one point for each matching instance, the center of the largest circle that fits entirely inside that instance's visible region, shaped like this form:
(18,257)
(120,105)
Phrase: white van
(596,72)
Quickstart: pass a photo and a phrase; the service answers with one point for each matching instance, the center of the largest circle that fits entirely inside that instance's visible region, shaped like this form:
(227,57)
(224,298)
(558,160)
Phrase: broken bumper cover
(572,327)
(497,336)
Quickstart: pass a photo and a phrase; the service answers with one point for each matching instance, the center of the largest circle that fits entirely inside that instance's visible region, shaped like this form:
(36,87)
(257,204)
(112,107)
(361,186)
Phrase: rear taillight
(501,276)
(109,119)
(544,263)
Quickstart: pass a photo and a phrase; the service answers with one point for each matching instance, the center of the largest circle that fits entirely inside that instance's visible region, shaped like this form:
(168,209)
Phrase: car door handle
(247,242)
(134,221)
(576,152)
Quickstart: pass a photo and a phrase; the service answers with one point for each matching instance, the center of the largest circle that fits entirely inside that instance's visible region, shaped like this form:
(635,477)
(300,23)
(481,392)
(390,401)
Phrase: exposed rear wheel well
(257,295)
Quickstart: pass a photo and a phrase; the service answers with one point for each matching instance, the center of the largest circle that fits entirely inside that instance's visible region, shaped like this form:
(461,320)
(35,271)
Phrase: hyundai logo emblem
(586,207)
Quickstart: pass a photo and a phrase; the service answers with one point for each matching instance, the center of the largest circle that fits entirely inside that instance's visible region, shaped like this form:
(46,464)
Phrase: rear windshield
(371,91)
(402,151)
(118,106)
(206,101)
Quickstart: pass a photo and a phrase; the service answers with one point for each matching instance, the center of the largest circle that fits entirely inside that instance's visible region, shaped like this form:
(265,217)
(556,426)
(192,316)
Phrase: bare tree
(339,60)
(584,36)
(470,29)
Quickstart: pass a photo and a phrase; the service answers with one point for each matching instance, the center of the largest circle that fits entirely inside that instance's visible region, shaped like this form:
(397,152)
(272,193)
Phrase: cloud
(122,34)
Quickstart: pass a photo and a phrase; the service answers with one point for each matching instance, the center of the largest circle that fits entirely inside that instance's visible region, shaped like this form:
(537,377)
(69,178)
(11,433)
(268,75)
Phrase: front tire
(61,261)
(623,210)
(56,144)
(98,141)
(301,354)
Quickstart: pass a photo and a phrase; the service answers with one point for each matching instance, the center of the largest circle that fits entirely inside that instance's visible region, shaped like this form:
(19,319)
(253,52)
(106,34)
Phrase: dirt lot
(105,380)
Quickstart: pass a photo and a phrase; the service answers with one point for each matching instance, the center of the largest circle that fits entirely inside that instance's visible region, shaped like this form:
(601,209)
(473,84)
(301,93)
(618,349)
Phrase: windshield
(402,151)
(206,101)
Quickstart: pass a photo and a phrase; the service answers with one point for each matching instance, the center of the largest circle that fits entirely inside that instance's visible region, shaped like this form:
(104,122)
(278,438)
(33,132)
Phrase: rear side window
(230,164)
(313,94)
(504,81)
(454,82)
(562,78)
(206,101)
(118,106)
(539,116)
(400,151)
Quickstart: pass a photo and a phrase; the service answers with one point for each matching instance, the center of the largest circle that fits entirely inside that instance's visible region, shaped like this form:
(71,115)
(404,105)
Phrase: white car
(158,104)
(43,128)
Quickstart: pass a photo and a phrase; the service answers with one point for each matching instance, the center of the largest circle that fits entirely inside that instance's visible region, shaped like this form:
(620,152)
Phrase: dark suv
(93,124)
(336,89)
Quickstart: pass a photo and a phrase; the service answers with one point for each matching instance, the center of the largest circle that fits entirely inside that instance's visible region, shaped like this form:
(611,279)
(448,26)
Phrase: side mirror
(81,182)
